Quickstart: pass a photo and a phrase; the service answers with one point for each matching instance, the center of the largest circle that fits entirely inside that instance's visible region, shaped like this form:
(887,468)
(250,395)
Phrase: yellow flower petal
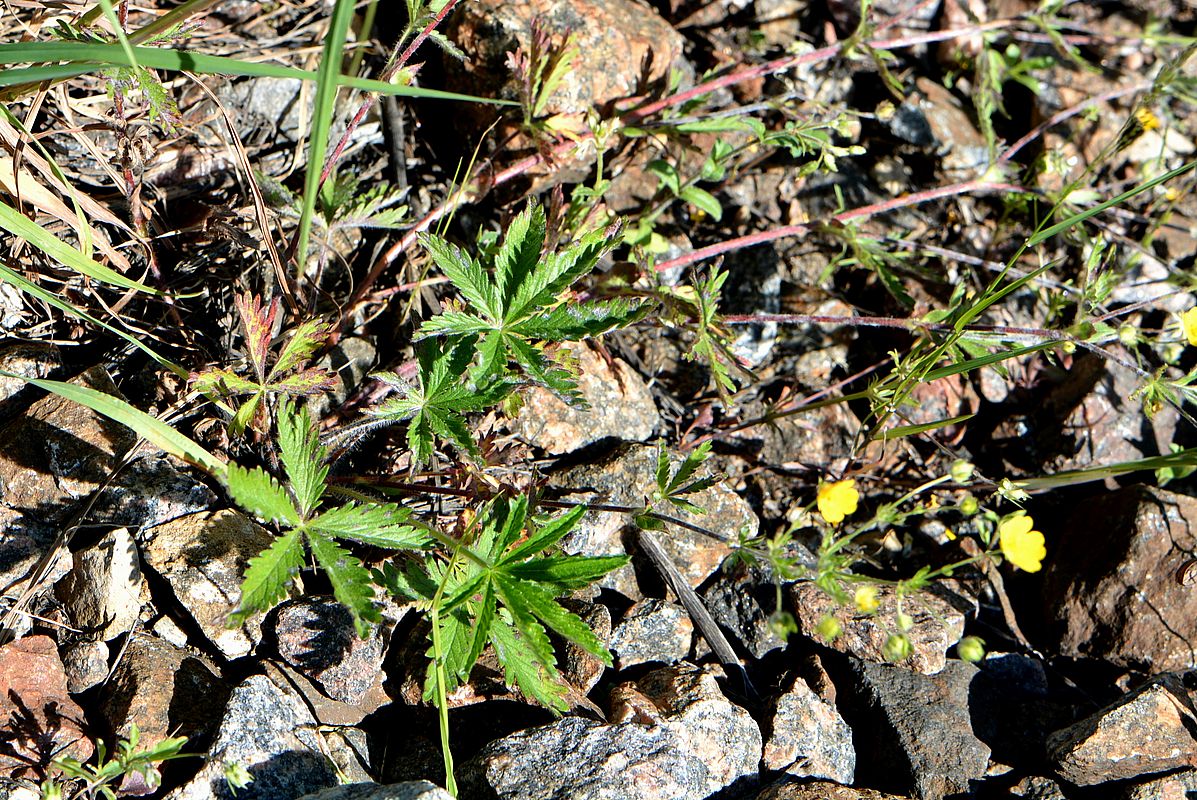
(866,599)
(1022,546)
(837,500)
(1188,321)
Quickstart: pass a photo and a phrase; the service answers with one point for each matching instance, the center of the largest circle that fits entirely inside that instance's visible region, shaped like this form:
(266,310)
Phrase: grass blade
(150,428)
(32,289)
(76,54)
(24,228)
(322,114)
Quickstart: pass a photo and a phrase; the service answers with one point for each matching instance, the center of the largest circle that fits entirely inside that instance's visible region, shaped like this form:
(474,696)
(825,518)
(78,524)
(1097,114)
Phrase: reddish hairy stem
(888,322)
(905,201)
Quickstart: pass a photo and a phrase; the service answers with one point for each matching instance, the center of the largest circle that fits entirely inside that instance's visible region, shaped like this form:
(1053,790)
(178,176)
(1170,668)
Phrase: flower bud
(971,649)
(961,471)
(829,628)
(897,648)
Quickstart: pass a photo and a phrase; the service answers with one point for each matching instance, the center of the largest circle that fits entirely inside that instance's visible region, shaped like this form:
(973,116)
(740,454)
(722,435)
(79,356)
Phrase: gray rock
(25,360)
(85,664)
(741,600)
(203,557)
(24,540)
(964,151)
(268,730)
(1151,730)
(620,406)
(790,789)
(102,592)
(1125,432)
(652,630)
(12,307)
(809,738)
(917,729)
(165,690)
(624,49)
(268,102)
(1013,711)
(317,637)
(1111,587)
(697,744)
(1178,786)
(151,491)
(409,790)
(1036,787)
(626,477)
(937,624)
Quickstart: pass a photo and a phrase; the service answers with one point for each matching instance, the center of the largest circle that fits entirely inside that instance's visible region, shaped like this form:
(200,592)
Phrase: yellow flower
(866,599)
(1188,321)
(837,500)
(1147,118)
(1022,546)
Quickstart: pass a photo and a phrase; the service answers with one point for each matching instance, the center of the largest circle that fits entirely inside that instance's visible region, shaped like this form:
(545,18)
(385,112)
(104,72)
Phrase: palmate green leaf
(534,635)
(268,576)
(570,322)
(302,454)
(258,492)
(558,271)
(454,323)
(549,534)
(529,599)
(221,381)
(466,274)
(306,339)
(519,255)
(257,325)
(245,413)
(381,525)
(694,459)
(305,383)
(522,669)
(545,371)
(350,580)
(566,572)
(436,406)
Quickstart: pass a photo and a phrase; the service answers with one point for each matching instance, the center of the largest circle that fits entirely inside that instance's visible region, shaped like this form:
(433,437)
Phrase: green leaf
(521,668)
(702,199)
(551,533)
(260,494)
(566,572)
(350,580)
(327,85)
(540,604)
(466,275)
(519,256)
(381,525)
(912,430)
(35,235)
(1043,235)
(302,454)
(268,576)
(305,340)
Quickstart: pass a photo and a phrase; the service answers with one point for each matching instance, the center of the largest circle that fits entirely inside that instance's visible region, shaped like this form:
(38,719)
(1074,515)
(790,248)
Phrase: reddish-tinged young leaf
(306,382)
(258,324)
